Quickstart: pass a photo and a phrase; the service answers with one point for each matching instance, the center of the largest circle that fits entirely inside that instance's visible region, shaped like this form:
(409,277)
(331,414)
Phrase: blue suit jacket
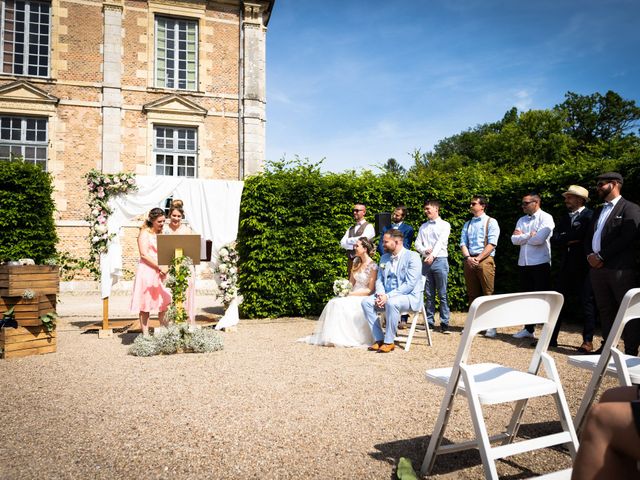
(409,273)
(407,231)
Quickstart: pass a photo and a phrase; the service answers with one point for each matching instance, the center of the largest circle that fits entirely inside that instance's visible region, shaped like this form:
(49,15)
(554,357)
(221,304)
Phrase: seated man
(398,289)
(610,442)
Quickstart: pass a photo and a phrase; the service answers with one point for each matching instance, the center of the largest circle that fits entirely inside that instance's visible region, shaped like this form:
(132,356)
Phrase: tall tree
(393,167)
(595,117)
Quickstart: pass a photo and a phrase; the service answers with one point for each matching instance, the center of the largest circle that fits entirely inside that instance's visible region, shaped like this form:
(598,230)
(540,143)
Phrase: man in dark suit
(397,222)
(609,245)
(573,277)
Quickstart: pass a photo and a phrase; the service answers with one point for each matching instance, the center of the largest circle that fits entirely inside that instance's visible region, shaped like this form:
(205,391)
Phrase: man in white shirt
(431,243)
(532,234)
(361,228)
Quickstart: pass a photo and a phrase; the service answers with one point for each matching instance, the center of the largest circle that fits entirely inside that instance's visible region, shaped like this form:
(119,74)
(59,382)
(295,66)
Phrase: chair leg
(426,325)
(440,427)
(482,436)
(412,330)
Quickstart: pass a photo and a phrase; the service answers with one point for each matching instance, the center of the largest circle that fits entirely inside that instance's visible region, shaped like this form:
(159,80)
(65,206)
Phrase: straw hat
(578,191)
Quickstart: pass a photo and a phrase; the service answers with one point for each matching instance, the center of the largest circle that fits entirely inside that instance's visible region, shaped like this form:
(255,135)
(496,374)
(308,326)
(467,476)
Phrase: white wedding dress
(342,322)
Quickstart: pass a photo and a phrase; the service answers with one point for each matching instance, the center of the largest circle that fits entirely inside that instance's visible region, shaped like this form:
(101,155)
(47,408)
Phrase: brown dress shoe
(386,348)
(402,325)
(375,347)
(586,347)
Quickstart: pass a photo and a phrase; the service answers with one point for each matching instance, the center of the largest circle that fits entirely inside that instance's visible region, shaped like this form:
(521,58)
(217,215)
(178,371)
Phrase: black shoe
(444,329)
(553,344)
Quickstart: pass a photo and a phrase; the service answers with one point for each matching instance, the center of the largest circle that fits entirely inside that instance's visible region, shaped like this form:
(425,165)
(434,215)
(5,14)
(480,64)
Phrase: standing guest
(610,443)
(533,232)
(397,222)
(177,226)
(398,289)
(573,279)
(149,294)
(609,245)
(478,242)
(431,243)
(361,228)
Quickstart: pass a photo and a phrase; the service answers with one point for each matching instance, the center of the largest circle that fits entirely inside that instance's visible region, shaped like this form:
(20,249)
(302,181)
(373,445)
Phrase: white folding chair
(490,383)
(612,361)
(407,339)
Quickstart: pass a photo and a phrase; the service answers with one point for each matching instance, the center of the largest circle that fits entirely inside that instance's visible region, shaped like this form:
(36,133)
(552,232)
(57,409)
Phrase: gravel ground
(264,407)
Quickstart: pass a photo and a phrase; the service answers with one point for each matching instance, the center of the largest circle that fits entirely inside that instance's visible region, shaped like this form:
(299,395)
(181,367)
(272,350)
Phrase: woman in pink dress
(175,226)
(149,294)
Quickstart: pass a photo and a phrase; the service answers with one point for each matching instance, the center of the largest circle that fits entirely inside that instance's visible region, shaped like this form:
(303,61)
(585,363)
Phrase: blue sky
(361,81)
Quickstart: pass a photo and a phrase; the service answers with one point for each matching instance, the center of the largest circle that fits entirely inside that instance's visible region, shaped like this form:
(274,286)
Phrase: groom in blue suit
(399,288)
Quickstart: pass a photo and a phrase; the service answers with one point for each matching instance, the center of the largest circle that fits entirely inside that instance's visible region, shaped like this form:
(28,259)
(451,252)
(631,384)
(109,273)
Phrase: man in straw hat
(573,277)
(609,246)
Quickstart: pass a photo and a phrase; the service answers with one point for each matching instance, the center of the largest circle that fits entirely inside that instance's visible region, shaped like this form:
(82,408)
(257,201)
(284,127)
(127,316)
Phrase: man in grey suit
(398,288)
(609,245)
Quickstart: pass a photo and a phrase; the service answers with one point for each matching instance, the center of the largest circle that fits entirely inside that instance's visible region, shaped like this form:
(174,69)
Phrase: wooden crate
(27,312)
(15,279)
(25,341)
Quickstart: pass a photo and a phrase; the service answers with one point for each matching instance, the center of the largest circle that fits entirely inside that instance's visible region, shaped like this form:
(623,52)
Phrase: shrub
(26,212)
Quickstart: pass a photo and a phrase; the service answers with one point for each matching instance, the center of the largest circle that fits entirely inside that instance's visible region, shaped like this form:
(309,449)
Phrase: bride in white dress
(342,322)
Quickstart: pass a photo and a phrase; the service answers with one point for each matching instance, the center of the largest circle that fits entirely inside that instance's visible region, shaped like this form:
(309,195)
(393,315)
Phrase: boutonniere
(383,266)
(576,224)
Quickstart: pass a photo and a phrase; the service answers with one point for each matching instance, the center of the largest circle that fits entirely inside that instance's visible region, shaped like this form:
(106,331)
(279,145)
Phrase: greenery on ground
(293,215)
(26,212)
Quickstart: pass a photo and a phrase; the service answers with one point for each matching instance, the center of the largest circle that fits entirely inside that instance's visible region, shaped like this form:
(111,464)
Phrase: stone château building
(155,87)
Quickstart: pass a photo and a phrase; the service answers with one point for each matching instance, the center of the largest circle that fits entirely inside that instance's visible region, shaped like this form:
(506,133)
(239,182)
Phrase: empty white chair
(612,361)
(491,383)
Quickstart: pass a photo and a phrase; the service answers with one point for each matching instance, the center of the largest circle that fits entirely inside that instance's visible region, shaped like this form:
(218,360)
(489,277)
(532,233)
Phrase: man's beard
(602,193)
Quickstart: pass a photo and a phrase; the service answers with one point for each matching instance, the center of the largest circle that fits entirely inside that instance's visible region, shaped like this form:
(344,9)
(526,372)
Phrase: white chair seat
(496,383)
(612,361)
(491,383)
(589,362)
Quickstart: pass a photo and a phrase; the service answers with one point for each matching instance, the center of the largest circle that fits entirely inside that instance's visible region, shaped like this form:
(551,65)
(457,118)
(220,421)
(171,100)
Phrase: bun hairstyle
(177,205)
(151,217)
(368,245)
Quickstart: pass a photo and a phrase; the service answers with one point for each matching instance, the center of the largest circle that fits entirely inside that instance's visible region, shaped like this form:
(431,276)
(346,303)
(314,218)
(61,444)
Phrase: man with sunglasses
(533,233)
(609,245)
(361,228)
(478,242)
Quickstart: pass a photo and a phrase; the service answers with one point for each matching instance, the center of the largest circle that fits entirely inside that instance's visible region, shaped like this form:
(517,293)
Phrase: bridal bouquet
(341,287)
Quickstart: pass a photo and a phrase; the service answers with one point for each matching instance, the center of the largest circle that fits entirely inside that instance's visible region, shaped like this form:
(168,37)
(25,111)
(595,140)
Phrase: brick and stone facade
(102,102)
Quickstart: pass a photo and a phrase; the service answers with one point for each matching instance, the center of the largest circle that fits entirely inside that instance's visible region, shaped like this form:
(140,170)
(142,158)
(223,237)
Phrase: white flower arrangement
(28,294)
(341,287)
(227,271)
(101,187)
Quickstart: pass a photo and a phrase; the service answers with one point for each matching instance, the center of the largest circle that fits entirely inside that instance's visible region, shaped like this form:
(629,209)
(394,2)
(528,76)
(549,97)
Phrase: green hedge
(293,216)
(26,212)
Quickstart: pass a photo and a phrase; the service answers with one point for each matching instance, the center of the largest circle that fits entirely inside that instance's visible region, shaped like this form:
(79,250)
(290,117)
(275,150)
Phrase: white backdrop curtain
(212,208)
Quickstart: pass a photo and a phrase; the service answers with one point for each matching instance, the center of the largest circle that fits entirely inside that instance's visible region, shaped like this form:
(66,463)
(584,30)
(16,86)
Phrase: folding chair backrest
(508,310)
(628,310)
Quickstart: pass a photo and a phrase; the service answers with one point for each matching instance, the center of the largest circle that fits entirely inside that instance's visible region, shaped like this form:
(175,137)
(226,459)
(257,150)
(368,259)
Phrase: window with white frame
(25,37)
(176,151)
(24,137)
(176,53)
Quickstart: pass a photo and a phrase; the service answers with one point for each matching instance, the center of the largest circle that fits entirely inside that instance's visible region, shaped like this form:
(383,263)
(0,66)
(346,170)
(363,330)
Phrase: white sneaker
(491,333)
(524,333)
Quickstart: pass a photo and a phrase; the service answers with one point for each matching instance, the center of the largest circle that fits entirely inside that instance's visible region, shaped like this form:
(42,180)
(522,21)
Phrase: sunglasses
(602,183)
(473,204)
(524,204)
(355,210)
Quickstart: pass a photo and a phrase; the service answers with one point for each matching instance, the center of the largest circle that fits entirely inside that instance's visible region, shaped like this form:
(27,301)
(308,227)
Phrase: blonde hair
(177,205)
